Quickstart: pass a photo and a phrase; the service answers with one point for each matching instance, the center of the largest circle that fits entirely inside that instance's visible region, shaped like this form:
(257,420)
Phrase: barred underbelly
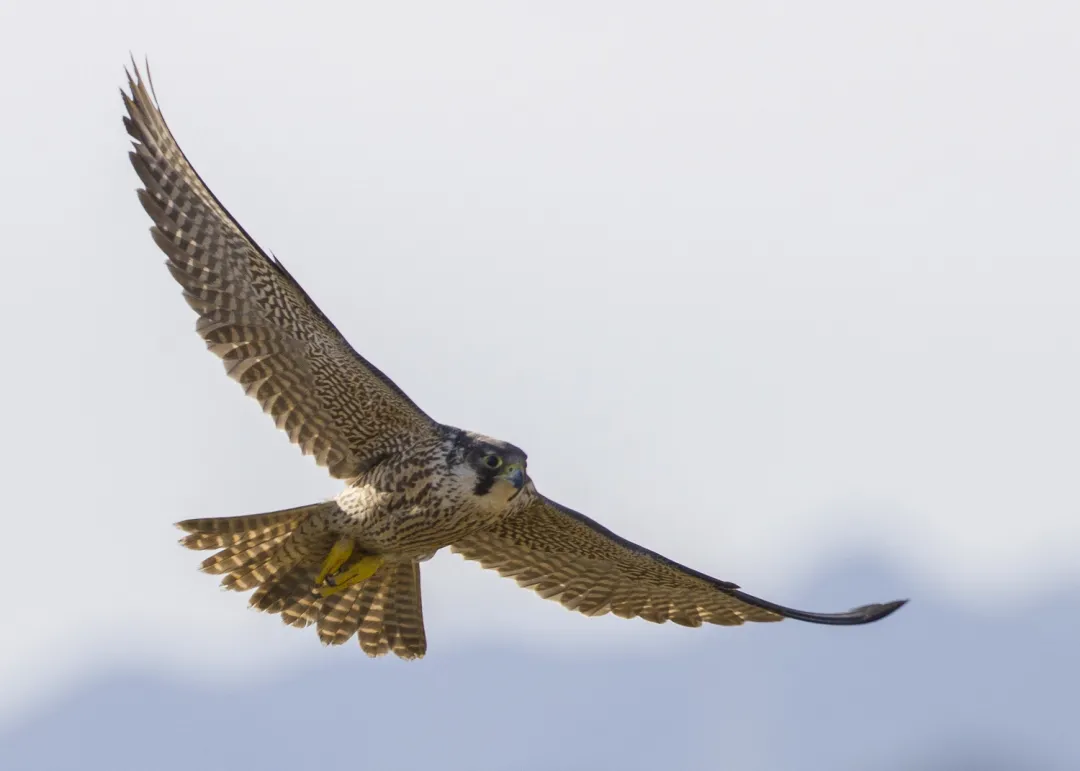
(383,523)
(412,532)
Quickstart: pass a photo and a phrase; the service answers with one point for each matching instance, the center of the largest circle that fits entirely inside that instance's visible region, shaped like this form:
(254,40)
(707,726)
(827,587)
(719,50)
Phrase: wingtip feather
(878,611)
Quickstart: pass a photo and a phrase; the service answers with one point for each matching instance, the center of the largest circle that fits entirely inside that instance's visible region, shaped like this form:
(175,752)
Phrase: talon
(357,573)
(339,554)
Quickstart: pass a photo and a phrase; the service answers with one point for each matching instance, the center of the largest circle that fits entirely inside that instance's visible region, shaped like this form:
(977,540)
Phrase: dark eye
(492,461)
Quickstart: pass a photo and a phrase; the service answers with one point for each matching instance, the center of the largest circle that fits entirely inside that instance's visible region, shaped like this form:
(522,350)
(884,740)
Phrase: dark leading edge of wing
(864,614)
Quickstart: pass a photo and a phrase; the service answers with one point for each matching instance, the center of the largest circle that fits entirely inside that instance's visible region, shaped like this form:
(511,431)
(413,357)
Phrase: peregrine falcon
(412,485)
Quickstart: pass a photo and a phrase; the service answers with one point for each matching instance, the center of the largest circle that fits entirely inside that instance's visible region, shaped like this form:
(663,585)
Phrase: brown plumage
(412,485)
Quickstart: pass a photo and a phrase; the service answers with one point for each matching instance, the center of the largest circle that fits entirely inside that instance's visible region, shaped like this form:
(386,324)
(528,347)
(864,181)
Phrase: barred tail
(385,612)
(279,558)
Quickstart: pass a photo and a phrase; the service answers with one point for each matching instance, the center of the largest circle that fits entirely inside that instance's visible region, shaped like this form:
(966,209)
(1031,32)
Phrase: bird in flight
(412,485)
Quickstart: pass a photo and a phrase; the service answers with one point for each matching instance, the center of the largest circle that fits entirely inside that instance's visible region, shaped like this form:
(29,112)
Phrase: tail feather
(280,593)
(404,615)
(301,608)
(203,541)
(385,613)
(394,620)
(339,616)
(278,557)
(255,548)
(245,524)
(243,554)
(371,614)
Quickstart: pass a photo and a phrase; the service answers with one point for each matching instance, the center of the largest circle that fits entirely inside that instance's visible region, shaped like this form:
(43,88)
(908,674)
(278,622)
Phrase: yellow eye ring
(492,461)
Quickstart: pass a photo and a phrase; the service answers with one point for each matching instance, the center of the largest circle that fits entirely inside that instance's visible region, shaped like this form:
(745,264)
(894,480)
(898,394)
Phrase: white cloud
(751,285)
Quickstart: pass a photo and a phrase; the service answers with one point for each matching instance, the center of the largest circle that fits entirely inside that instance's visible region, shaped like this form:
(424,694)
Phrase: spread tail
(278,554)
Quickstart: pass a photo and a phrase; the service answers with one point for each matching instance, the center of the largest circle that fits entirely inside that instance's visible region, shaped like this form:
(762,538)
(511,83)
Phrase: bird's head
(496,469)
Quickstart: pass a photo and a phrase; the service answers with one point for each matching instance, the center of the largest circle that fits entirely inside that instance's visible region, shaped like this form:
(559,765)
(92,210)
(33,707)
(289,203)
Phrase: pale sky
(759,286)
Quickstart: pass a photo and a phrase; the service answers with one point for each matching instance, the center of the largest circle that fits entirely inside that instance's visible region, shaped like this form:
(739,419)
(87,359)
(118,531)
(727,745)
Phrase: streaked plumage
(412,485)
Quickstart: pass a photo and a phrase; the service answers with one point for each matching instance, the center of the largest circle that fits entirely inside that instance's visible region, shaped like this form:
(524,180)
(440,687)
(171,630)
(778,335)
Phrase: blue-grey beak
(515,475)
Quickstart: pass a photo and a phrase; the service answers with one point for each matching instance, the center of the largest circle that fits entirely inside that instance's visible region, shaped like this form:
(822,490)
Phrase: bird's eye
(492,461)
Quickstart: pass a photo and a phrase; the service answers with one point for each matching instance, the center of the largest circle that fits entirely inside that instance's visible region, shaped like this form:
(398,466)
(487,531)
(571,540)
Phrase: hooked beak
(515,475)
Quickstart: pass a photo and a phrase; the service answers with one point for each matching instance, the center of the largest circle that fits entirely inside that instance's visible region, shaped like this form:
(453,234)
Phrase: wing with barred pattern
(565,556)
(271,336)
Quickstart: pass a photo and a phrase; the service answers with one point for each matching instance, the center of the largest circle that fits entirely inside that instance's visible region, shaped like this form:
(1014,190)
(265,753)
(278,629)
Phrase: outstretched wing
(272,337)
(565,556)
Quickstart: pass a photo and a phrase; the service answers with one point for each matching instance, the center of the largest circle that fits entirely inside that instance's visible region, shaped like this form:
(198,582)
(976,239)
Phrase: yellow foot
(337,557)
(361,571)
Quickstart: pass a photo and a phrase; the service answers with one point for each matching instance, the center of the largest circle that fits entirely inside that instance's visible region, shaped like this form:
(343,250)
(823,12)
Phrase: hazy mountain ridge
(935,687)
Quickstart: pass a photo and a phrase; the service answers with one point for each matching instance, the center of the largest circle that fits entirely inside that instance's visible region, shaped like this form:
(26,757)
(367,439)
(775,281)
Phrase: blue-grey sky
(760,286)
